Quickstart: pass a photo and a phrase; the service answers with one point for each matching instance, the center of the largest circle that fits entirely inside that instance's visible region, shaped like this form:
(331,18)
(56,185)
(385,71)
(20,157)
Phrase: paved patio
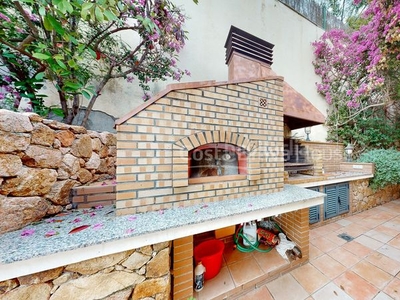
(365,267)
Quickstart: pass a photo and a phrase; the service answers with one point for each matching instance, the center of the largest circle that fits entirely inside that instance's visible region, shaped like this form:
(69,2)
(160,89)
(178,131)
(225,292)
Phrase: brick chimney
(247,56)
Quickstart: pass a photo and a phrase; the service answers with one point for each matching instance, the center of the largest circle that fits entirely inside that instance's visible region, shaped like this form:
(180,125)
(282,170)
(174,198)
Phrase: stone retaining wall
(136,274)
(41,160)
(363,197)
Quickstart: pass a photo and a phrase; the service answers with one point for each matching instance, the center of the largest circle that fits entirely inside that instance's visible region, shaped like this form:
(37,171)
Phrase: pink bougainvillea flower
(50,220)
(132,218)
(250,205)
(99,207)
(161,212)
(104,183)
(204,206)
(76,220)
(97,226)
(92,214)
(27,232)
(4,17)
(51,233)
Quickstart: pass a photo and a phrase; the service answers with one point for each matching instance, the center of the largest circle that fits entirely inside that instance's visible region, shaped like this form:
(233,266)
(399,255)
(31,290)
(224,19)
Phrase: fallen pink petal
(77,220)
(104,183)
(130,230)
(97,226)
(99,207)
(27,232)
(51,233)
(132,218)
(51,220)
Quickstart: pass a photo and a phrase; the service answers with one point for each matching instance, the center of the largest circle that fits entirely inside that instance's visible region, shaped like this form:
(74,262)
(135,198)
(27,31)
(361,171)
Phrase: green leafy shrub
(387,167)
(372,130)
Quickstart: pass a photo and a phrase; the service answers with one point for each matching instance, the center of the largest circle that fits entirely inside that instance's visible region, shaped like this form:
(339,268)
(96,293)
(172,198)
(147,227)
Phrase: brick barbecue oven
(207,141)
(203,142)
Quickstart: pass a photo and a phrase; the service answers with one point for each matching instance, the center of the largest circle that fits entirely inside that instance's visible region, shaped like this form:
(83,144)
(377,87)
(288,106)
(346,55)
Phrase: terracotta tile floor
(367,267)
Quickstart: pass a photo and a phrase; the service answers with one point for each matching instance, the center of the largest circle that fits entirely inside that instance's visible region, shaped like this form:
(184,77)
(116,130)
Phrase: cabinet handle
(339,200)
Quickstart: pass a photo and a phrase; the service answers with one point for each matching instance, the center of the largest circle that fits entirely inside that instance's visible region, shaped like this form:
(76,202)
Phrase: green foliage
(8,102)
(80,45)
(367,131)
(26,82)
(355,22)
(360,72)
(344,9)
(387,167)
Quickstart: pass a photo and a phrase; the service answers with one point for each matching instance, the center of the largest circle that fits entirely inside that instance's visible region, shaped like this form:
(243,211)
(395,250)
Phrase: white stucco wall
(204,54)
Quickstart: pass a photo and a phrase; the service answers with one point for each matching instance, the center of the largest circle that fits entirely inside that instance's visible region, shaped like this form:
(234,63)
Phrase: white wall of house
(208,25)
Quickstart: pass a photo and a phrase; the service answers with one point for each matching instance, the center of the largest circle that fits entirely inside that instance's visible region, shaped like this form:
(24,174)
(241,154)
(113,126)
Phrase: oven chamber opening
(217,159)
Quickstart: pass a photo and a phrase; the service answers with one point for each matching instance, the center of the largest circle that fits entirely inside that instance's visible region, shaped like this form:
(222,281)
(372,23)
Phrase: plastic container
(250,232)
(210,254)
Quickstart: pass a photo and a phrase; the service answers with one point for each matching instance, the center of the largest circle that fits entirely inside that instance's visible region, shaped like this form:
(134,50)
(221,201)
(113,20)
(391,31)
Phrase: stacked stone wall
(41,160)
(362,197)
(143,273)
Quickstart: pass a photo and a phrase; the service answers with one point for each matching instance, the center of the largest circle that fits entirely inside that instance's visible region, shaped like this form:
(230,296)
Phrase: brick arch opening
(219,144)
(217,159)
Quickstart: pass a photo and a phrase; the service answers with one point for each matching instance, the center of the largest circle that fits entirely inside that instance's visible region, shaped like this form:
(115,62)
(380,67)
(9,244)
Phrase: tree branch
(111,32)
(99,34)
(22,51)
(99,88)
(26,18)
(132,53)
(351,117)
(26,41)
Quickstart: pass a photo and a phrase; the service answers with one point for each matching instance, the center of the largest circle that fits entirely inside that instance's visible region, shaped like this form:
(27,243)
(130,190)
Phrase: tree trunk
(64,106)
(93,100)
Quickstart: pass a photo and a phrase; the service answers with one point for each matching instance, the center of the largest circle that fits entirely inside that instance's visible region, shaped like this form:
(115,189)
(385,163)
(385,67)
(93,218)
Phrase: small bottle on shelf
(199,277)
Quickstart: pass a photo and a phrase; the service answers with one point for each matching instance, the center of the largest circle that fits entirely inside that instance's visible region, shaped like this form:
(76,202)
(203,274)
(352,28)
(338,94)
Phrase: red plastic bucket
(210,254)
